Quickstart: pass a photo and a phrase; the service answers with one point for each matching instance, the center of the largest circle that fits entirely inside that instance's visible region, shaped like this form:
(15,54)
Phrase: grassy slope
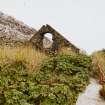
(58,81)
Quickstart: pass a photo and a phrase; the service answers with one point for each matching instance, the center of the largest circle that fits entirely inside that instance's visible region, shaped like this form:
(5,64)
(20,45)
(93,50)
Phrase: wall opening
(47,40)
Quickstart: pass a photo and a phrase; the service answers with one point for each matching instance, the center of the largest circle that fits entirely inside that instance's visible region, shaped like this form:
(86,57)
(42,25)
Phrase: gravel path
(91,95)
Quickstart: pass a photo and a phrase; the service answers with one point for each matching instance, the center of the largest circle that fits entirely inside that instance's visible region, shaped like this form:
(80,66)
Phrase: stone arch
(54,46)
(47,41)
(37,39)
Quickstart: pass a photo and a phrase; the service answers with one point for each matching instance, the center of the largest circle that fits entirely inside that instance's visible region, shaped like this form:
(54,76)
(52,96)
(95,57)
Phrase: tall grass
(98,62)
(99,69)
(27,54)
(66,50)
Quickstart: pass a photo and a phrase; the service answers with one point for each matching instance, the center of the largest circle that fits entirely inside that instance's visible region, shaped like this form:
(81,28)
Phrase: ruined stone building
(58,40)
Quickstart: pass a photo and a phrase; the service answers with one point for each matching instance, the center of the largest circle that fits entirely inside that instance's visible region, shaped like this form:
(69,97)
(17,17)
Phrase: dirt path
(91,95)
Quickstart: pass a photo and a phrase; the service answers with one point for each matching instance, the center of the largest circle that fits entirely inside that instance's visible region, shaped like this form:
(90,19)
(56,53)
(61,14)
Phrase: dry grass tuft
(99,65)
(98,62)
(27,54)
(66,50)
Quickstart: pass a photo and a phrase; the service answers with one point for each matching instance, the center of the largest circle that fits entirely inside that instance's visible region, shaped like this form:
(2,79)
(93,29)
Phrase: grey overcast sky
(80,21)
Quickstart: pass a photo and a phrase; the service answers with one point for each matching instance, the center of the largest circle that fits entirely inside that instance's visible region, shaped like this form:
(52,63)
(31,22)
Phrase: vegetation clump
(66,75)
(98,59)
(58,81)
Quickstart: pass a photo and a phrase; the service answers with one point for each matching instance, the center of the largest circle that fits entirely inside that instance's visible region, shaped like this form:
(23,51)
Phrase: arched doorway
(47,41)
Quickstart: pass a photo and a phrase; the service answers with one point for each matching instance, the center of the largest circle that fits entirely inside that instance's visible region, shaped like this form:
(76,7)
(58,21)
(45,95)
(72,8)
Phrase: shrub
(66,75)
(12,75)
(58,82)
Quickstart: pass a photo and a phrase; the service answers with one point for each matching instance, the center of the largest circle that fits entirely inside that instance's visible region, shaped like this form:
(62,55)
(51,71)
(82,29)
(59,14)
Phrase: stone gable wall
(58,40)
